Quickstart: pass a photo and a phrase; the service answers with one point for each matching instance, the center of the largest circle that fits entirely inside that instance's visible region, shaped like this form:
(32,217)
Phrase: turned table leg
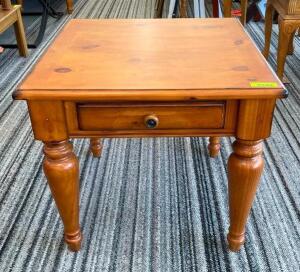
(61,169)
(245,167)
(214,146)
(95,147)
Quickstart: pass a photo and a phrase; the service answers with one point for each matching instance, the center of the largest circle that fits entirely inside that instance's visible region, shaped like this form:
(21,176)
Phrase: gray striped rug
(146,204)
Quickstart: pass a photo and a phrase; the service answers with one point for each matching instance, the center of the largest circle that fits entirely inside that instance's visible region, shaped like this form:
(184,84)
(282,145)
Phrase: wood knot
(241,68)
(63,70)
(238,42)
(90,46)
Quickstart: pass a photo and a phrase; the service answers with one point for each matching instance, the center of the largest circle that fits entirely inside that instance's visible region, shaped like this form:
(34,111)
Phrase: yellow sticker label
(257,84)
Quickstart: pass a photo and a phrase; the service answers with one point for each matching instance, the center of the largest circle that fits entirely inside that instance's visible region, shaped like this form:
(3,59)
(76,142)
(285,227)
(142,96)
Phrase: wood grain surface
(148,54)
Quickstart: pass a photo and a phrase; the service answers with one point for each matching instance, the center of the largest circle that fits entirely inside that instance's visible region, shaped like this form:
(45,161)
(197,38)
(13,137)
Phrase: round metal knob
(151,121)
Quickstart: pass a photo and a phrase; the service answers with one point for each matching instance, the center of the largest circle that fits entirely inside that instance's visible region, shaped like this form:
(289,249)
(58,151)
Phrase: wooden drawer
(290,7)
(102,117)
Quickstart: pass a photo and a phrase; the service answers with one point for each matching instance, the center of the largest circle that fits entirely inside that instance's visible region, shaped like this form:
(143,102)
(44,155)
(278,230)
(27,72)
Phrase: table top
(204,56)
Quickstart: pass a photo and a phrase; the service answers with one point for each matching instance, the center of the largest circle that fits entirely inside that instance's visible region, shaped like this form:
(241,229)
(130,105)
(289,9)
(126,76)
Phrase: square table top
(122,55)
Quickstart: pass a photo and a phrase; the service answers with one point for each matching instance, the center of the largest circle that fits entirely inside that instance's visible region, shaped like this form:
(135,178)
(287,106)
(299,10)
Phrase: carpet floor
(146,204)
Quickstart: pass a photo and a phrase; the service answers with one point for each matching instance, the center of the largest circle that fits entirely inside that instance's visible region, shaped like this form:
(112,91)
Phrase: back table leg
(95,147)
(214,146)
(62,172)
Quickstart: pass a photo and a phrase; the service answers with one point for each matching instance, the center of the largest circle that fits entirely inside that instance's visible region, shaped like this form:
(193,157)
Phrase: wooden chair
(182,8)
(159,4)
(227,8)
(288,22)
(11,15)
(244,6)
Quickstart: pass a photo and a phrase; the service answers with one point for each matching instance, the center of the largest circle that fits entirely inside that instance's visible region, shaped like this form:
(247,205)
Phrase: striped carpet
(146,204)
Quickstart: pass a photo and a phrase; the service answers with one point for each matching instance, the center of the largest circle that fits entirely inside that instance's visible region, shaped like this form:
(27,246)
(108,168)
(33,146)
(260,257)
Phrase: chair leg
(20,35)
(215,8)
(70,6)
(244,7)
(268,29)
(291,44)
(227,8)
(182,9)
(159,8)
(286,29)
(20,2)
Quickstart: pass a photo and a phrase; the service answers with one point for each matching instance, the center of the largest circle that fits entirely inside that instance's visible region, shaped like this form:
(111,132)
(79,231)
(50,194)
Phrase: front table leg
(245,167)
(62,172)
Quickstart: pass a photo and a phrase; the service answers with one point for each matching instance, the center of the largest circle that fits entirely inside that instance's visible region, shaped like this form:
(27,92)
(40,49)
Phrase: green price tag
(257,84)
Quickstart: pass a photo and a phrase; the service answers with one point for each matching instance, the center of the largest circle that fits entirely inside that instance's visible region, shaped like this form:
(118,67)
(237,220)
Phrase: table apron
(54,121)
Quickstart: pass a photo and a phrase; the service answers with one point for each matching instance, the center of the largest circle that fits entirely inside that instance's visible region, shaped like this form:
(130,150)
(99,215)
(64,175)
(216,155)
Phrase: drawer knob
(151,121)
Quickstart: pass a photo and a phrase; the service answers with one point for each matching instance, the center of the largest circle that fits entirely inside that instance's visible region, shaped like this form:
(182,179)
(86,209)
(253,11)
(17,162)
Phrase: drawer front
(92,117)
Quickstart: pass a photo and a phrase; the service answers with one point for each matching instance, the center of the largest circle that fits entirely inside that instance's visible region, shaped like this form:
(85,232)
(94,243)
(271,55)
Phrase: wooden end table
(152,78)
